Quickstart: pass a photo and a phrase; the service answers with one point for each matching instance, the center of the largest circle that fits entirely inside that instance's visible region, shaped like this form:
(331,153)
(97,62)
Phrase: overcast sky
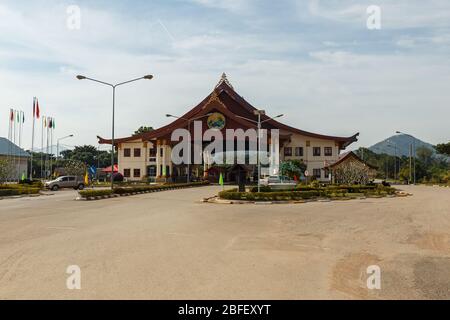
(315,61)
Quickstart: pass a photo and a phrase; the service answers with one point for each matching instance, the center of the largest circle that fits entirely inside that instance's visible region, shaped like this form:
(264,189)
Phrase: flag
(12,115)
(23,117)
(18,116)
(23,176)
(221,182)
(93,170)
(38,112)
(86,179)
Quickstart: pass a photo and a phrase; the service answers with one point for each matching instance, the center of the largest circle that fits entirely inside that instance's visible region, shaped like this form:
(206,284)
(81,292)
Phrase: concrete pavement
(169,245)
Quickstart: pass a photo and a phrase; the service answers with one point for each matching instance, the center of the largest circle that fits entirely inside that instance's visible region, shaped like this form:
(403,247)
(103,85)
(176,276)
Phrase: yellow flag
(86,179)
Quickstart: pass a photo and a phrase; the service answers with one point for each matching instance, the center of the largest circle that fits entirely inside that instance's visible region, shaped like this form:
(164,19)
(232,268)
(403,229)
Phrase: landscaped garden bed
(128,191)
(302,193)
(11,190)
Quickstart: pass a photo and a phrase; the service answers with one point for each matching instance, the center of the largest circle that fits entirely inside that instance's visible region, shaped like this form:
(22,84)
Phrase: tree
(74,168)
(5,170)
(293,168)
(352,172)
(143,129)
(425,155)
(89,155)
(443,148)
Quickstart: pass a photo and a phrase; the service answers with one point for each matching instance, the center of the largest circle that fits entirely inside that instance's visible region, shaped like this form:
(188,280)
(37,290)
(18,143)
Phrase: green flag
(221,180)
(23,176)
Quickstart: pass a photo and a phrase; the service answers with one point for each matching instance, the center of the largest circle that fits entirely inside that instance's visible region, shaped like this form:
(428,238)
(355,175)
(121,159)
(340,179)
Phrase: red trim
(200,110)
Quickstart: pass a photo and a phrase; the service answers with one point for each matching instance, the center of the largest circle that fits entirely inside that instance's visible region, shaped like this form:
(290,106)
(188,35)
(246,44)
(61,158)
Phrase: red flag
(12,115)
(38,112)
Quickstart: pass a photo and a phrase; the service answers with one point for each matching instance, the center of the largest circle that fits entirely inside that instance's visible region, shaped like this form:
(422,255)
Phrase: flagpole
(9,144)
(32,138)
(46,152)
(13,147)
(42,147)
(51,146)
(21,115)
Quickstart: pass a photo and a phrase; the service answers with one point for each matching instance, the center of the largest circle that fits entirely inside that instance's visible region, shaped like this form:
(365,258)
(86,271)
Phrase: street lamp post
(57,144)
(412,154)
(259,123)
(394,146)
(189,121)
(114,86)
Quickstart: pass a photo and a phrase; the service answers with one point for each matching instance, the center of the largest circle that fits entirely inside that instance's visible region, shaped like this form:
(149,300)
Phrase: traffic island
(307,194)
(92,195)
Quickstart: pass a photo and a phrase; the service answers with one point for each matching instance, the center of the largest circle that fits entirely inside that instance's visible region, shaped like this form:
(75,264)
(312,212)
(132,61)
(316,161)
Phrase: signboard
(306,173)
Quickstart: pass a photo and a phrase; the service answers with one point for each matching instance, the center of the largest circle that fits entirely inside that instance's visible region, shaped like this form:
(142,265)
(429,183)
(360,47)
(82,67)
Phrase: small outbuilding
(17,157)
(351,169)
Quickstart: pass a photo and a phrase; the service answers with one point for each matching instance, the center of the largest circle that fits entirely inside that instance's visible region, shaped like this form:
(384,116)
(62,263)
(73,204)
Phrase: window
(137,152)
(127,173)
(317,173)
(327,173)
(316,152)
(299,152)
(161,152)
(328,151)
(137,173)
(288,152)
(152,153)
(127,152)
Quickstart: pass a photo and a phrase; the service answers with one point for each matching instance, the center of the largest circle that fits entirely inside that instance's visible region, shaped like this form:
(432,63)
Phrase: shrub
(262,188)
(136,189)
(304,192)
(95,193)
(4,192)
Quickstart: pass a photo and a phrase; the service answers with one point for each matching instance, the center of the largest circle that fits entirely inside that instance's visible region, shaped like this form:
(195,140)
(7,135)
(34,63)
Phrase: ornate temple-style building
(148,155)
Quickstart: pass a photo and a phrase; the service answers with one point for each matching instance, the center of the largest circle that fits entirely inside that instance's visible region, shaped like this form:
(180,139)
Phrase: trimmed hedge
(306,192)
(138,189)
(155,188)
(269,196)
(94,193)
(18,191)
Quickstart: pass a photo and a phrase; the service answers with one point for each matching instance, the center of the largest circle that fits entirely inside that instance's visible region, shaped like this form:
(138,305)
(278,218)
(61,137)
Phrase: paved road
(171,246)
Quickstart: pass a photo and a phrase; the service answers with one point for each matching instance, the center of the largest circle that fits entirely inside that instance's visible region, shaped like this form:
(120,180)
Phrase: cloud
(322,68)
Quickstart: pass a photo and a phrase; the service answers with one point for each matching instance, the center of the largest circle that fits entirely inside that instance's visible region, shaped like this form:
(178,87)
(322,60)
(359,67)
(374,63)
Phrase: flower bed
(306,192)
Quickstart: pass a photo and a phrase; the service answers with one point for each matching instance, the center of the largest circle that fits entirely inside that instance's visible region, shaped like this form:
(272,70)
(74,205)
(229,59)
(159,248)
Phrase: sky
(315,61)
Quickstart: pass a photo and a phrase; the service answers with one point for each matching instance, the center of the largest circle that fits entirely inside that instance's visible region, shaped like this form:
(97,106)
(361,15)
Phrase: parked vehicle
(74,182)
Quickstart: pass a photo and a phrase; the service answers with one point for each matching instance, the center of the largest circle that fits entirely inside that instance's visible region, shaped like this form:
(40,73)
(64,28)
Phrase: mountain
(53,149)
(402,142)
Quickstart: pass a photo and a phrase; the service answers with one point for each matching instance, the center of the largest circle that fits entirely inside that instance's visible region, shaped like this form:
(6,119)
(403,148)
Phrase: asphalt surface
(171,246)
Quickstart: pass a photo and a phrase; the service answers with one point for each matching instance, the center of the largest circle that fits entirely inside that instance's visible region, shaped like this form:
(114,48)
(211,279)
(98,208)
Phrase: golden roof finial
(224,79)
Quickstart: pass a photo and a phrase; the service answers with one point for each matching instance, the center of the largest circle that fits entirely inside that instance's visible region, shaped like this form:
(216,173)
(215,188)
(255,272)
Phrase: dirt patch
(277,243)
(431,241)
(432,277)
(350,275)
